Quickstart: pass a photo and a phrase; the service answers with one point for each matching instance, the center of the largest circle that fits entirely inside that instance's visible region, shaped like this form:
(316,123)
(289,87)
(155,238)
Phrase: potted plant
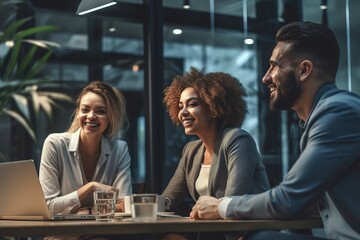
(21,59)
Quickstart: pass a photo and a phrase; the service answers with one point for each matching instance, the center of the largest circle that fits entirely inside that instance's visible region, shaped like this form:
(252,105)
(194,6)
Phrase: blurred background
(139,46)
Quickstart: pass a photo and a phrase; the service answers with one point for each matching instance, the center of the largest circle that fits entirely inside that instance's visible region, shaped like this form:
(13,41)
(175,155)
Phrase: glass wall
(110,45)
(341,16)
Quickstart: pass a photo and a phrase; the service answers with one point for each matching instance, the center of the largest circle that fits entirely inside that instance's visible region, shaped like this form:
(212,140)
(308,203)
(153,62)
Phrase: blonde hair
(115,107)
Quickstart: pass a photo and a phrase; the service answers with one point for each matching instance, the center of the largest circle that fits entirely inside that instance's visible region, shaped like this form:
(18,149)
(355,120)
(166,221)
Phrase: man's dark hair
(313,41)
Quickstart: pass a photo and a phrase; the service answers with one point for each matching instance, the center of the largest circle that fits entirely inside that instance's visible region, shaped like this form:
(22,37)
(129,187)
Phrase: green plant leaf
(22,103)
(20,119)
(42,43)
(12,61)
(31,31)
(59,96)
(3,103)
(18,70)
(36,103)
(19,83)
(46,105)
(38,65)
(11,30)
(25,62)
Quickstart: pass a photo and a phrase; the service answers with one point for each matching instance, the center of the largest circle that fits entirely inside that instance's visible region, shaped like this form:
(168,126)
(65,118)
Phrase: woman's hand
(91,187)
(96,186)
(120,205)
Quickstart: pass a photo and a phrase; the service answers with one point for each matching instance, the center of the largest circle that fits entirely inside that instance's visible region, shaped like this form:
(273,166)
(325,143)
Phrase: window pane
(71,30)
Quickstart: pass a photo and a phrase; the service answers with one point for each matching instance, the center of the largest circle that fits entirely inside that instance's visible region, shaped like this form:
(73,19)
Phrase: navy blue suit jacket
(327,171)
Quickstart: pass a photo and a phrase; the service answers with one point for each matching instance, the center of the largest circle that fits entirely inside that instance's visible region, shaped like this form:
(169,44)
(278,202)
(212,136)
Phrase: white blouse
(202,182)
(61,172)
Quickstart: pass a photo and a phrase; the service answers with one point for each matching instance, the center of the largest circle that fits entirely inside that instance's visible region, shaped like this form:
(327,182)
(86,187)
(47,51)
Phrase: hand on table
(96,186)
(120,205)
(88,189)
(206,208)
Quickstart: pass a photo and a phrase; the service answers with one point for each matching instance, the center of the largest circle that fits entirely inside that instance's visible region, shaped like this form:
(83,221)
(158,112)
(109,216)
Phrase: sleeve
(330,151)
(123,172)
(242,160)
(49,175)
(223,206)
(177,189)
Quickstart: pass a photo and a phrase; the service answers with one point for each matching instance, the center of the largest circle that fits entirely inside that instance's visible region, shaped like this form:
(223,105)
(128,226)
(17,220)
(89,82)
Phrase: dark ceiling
(263,16)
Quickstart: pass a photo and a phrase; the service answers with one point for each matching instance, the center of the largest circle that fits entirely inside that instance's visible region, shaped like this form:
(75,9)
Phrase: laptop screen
(22,196)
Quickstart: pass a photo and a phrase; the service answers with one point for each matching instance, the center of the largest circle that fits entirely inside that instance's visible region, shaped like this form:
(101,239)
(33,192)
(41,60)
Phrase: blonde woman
(87,157)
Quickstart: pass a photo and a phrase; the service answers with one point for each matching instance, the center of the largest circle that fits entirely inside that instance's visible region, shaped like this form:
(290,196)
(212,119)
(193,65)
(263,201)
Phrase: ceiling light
(177,31)
(87,6)
(112,29)
(186,4)
(249,41)
(135,68)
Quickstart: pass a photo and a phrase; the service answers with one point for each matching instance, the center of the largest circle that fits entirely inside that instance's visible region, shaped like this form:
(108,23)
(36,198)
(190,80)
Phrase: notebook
(21,195)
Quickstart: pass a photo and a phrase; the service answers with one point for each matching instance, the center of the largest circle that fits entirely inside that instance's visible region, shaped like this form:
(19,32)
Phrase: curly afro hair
(222,94)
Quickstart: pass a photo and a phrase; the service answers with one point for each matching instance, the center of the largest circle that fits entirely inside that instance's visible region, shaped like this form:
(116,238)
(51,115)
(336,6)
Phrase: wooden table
(162,225)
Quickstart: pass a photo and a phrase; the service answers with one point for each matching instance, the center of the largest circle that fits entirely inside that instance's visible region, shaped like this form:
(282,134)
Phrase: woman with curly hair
(224,161)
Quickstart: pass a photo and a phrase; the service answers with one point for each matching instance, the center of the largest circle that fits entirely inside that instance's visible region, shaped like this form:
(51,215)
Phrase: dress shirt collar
(75,138)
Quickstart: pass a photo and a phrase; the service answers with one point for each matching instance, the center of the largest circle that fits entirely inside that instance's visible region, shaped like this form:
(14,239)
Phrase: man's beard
(287,93)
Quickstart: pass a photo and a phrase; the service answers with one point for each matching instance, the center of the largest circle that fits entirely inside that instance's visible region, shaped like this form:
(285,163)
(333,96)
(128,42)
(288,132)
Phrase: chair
(139,187)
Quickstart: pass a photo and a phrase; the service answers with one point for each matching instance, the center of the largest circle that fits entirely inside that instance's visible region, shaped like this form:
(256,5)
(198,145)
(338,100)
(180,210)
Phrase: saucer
(160,214)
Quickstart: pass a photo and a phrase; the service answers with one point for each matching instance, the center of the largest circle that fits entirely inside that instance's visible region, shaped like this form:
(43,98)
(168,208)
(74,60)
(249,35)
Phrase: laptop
(21,195)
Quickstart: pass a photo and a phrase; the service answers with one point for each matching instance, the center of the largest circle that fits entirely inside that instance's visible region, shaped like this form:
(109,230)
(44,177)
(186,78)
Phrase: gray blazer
(236,168)
(327,171)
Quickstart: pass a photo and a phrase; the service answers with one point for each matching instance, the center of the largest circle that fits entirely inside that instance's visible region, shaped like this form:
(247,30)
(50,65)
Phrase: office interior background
(139,46)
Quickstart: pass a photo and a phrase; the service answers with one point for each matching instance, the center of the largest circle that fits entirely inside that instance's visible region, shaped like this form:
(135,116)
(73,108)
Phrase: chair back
(139,187)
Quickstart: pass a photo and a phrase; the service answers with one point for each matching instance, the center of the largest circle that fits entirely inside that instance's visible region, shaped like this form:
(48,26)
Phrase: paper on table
(168,214)
(160,214)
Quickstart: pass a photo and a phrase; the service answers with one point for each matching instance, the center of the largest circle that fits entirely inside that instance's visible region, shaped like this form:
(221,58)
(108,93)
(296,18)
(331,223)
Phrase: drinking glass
(144,207)
(104,205)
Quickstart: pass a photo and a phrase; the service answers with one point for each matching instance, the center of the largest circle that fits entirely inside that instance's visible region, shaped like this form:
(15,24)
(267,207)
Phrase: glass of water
(144,207)
(104,205)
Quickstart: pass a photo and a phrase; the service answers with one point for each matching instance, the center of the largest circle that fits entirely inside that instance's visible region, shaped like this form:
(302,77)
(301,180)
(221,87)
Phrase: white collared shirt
(61,172)
(223,205)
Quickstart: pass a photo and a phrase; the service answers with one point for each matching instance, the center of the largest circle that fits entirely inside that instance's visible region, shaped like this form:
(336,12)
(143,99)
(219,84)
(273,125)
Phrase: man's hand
(206,208)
